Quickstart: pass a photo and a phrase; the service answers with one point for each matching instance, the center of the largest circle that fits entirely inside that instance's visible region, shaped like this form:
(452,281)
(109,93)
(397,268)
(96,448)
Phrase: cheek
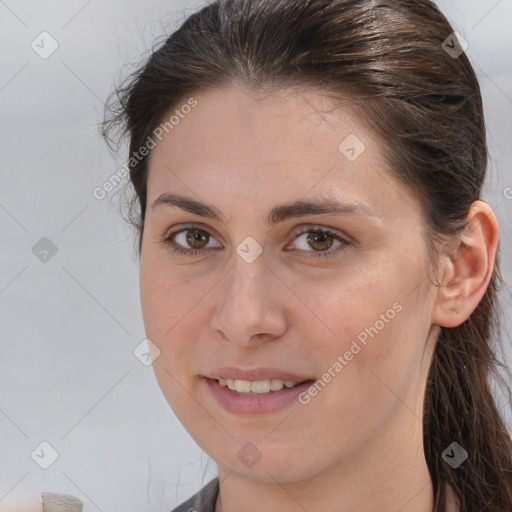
(367,320)
(346,305)
(370,370)
(173,309)
(167,295)
(381,363)
(167,307)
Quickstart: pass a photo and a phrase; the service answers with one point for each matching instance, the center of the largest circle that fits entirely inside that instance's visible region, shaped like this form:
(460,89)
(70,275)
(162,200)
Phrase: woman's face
(262,285)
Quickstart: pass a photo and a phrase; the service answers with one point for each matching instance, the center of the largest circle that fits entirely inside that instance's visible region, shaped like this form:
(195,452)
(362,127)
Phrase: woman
(318,270)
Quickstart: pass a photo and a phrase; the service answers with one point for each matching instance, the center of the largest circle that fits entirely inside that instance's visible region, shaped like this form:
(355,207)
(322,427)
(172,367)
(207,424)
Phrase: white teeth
(261,386)
(276,385)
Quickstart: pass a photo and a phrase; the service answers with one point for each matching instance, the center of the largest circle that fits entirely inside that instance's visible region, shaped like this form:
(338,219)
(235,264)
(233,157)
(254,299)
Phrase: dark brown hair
(388,58)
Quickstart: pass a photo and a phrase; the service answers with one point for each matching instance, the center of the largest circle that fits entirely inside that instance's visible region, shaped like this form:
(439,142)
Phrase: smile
(257,387)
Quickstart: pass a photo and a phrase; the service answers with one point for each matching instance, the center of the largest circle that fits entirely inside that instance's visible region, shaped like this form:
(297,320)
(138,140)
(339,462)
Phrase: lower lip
(247,404)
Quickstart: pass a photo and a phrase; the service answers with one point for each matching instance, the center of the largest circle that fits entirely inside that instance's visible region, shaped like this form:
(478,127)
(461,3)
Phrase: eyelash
(168,240)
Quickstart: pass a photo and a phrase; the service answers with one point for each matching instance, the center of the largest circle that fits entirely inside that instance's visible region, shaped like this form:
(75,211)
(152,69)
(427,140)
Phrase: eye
(190,240)
(321,241)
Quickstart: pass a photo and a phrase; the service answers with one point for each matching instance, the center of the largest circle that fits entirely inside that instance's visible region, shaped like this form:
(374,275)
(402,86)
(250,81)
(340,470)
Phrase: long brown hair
(390,58)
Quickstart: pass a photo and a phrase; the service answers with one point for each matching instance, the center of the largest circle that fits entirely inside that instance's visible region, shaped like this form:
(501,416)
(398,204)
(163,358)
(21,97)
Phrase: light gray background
(68,327)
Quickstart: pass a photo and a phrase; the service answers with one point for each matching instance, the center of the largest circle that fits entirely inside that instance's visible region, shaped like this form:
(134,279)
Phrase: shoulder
(203,501)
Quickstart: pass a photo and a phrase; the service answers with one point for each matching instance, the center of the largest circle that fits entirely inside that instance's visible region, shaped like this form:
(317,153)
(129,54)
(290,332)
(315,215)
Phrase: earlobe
(469,270)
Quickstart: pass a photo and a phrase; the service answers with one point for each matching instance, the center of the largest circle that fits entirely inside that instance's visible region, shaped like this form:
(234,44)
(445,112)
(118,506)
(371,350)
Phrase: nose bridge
(249,303)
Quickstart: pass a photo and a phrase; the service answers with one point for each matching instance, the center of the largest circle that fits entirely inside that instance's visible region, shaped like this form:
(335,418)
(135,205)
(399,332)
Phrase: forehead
(257,145)
(236,122)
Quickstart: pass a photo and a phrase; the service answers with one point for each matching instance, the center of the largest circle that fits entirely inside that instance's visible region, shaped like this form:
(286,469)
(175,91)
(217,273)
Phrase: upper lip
(256,374)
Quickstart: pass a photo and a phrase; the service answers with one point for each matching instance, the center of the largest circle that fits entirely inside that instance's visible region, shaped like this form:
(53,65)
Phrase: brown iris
(196,236)
(320,241)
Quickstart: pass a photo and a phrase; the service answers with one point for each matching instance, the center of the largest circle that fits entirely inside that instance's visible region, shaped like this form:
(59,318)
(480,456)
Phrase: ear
(469,268)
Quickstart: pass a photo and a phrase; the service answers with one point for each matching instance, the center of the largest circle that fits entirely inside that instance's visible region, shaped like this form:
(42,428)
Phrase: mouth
(260,387)
(255,397)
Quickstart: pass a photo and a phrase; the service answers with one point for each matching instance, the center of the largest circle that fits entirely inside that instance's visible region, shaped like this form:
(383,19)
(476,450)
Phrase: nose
(251,304)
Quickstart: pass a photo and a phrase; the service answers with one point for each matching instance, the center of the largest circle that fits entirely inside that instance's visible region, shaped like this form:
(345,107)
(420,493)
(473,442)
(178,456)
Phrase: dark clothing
(203,501)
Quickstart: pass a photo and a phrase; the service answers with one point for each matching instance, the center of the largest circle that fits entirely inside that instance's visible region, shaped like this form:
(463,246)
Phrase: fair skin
(357,445)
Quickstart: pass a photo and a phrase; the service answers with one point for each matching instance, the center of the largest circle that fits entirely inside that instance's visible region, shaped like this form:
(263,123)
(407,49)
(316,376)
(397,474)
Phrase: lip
(257,374)
(238,403)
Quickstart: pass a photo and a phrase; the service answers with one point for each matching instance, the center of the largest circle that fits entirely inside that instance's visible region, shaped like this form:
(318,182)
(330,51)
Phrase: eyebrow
(278,214)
